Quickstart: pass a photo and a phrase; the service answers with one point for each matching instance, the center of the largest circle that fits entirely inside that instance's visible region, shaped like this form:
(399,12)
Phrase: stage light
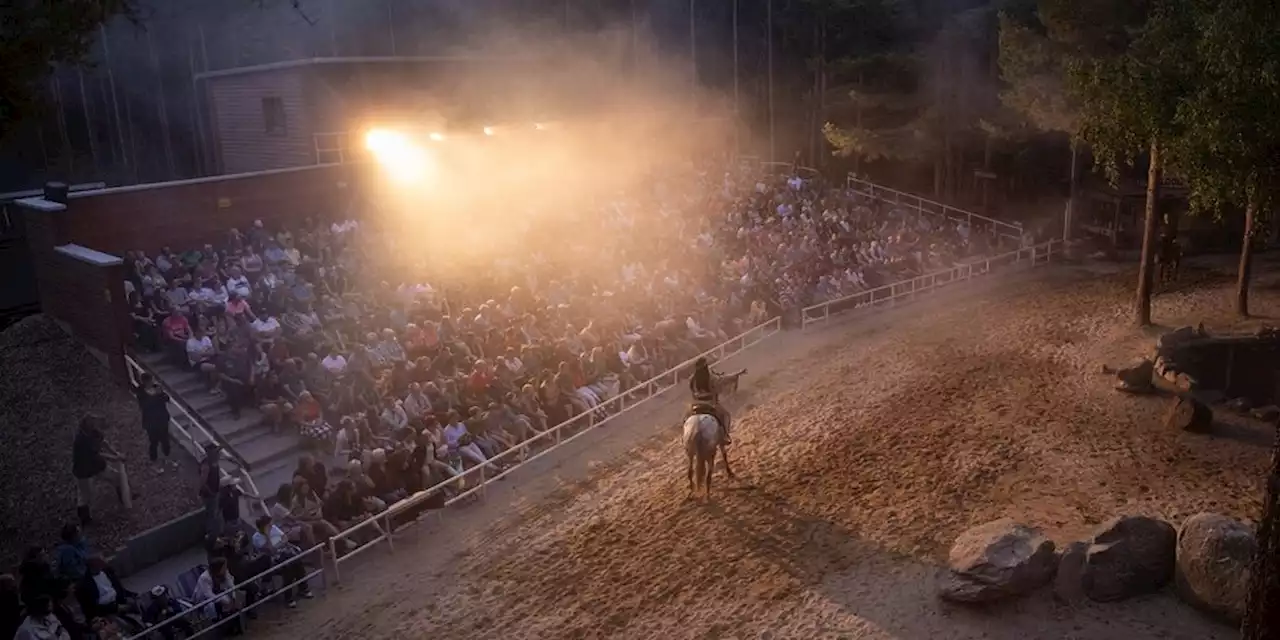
(438,137)
(403,160)
(540,127)
(488,131)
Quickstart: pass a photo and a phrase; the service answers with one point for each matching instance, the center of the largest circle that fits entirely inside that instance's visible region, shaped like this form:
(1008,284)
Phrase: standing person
(91,456)
(210,488)
(153,404)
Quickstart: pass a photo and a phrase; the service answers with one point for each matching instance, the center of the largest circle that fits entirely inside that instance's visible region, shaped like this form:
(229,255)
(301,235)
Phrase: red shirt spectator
(176,327)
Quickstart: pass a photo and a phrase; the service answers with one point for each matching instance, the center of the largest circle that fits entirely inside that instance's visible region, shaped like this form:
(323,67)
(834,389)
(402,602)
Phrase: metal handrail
(198,608)
(188,440)
(873,190)
(926,282)
(176,402)
(650,389)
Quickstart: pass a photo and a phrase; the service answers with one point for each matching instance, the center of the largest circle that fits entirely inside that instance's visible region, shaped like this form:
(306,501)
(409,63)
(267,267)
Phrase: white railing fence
(909,289)
(473,482)
(192,436)
(1004,230)
(309,562)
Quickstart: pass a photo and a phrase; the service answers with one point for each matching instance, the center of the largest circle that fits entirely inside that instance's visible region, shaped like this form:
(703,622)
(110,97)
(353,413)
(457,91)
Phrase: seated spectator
(72,554)
(271,540)
(217,581)
(273,402)
(161,607)
(459,440)
(307,509)
(344,507)
(40,623)
(364,487)
(202,357)
(100,592)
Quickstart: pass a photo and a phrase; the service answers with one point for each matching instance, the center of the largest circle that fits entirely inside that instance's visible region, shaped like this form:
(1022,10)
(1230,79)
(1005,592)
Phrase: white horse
(702,436)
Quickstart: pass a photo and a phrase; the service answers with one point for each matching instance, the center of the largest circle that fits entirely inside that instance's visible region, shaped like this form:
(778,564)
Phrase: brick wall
(189,213)
(80,288)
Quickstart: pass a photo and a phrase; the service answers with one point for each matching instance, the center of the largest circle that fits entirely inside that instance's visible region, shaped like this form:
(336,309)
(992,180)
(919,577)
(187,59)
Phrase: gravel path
(50,381)
(862,451)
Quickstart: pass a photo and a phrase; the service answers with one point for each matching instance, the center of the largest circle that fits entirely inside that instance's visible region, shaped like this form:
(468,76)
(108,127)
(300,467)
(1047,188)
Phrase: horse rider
(703,386)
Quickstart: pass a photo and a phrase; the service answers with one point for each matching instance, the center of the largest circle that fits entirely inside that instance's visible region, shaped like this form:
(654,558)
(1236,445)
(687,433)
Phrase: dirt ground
(49,382)
(862,451)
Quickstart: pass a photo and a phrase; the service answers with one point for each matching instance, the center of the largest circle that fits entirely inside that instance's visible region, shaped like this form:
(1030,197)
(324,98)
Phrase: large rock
(1179,336)
(1214,553)
(1136,377)
(1189,414)
(996,561)
(1129,556)
(1068,584)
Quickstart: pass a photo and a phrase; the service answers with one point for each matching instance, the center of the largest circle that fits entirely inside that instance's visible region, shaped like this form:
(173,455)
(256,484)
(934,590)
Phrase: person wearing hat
(703,386)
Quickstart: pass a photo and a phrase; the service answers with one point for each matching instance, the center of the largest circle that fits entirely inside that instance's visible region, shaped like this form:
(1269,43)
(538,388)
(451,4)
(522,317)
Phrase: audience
(399,382)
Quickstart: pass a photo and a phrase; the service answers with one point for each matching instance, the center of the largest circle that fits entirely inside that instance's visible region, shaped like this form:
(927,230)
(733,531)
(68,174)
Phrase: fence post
(387,523)
(484,486)
(333,553)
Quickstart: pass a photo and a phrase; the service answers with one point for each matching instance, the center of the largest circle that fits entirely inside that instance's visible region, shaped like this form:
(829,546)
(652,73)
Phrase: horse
(702,436)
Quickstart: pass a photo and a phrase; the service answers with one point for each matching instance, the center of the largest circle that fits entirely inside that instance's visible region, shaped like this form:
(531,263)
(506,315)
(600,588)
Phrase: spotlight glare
(540,127)
(438,137)
(404,161)
(488,131)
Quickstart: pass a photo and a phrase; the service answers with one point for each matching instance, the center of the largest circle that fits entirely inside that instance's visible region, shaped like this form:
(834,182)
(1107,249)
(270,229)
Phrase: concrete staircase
(271,457)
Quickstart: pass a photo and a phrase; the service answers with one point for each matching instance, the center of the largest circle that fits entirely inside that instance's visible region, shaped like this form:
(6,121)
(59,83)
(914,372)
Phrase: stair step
(152,359)
(267,448)
(270,477)
(187,386)
(230,429)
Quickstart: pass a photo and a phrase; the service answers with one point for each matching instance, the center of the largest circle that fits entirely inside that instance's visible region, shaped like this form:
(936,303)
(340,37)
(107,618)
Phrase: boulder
(1178,336)
(1189,414)
(1214,553)
(996,561)
(1269,413)
(1068,585)
(1185,382)
(1129,556)
(1136,377)
(1239,405)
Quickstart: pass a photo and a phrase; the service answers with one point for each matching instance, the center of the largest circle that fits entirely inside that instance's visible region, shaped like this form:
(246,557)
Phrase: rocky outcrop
(997,561)
(1136,376)
(1189,414)
(1129,556)
(1213,556)
(1068,585)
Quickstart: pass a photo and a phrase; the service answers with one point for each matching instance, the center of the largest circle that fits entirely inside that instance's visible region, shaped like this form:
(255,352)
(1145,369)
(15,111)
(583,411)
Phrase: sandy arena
(861,450)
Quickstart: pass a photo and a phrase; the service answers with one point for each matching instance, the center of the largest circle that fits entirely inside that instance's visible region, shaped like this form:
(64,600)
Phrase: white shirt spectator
(239,285)
(45,628)
(417,404)
(334,363)
(199,349)
(453,433)
(207,587)
(106,592)
(395,417)
(274,538)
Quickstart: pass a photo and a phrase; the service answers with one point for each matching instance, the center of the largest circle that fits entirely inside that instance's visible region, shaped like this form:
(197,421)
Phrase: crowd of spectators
(400,381)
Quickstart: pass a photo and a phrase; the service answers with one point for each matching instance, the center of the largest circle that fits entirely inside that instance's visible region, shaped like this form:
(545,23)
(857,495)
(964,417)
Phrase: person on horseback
(706,398)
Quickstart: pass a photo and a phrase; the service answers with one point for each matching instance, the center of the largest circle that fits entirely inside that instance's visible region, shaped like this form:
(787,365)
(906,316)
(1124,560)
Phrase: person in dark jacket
(10,606)
(100,591)
(153,404)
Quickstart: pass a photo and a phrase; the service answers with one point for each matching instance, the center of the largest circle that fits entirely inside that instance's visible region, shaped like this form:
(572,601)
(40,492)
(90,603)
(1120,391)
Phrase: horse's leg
(724,453)
(711,470)
(690,474)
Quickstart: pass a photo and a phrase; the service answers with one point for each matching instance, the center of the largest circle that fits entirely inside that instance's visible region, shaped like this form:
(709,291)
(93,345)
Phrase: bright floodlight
(403,160)
(437,137)
(540,127)
(488,131)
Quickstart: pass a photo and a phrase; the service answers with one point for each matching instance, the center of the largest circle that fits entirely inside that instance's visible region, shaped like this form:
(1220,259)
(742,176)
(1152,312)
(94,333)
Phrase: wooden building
(299,113)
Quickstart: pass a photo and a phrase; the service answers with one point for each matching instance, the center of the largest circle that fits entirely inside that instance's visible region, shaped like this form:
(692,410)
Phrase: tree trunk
(1071,191)
(1245,271)
(1262,615)
(1143,306)
(987,150)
